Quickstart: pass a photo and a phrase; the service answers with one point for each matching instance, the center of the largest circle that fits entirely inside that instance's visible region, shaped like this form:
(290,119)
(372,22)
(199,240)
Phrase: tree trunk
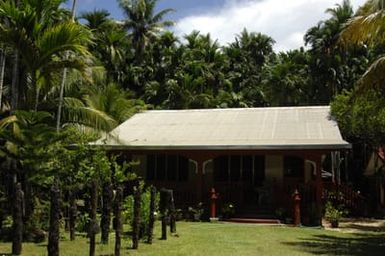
(64,77)
(136,221)
(29,203)
(152,216)
(2,70)
(17,226)
(93,224)
(15,81)
(106,212)
(72,215)
(118,219)
(54,221)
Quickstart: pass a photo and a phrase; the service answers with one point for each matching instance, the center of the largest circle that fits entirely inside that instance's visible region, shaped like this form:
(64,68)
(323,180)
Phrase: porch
(255,182)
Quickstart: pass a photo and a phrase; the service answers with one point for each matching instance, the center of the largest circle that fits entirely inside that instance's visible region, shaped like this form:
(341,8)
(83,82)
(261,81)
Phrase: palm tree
(143,23)
(110,42)
(246,58)
(329,64)
(64,77)
(42,44)
(367,27)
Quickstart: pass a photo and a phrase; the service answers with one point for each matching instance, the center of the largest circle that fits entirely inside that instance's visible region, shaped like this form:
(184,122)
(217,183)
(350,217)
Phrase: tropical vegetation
(66,80)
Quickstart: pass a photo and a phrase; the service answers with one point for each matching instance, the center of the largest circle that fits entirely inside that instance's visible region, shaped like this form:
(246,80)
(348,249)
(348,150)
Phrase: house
(254,157)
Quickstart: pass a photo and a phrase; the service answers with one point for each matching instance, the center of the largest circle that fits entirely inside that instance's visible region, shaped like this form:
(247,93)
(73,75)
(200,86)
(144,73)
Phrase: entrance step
(254,221)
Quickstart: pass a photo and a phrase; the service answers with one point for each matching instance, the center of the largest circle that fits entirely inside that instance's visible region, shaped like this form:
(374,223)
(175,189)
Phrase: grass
(231,239)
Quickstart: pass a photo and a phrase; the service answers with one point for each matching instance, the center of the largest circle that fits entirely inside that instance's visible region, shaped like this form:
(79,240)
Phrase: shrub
(334,214)
(128,212)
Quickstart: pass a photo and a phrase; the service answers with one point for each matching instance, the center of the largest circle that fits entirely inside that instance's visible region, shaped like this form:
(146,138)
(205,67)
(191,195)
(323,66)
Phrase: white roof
(241,128)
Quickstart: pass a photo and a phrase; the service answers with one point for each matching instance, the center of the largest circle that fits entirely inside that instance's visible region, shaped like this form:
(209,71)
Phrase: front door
(240,180)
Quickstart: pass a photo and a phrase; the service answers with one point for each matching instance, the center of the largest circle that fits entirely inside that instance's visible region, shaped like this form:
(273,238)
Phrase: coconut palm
(368,27)
(143,23)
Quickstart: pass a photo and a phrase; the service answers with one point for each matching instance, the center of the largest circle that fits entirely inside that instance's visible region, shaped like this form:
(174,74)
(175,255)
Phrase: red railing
(353,201)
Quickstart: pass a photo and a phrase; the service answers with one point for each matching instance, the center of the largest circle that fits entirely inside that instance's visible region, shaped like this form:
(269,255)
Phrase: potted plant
(228,210)
(333,214)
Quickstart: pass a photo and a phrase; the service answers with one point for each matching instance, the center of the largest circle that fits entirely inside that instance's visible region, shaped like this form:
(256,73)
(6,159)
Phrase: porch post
(199,184)
(319,188)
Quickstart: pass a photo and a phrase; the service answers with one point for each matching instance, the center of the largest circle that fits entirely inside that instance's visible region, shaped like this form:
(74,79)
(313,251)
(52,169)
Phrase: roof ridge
(231,109)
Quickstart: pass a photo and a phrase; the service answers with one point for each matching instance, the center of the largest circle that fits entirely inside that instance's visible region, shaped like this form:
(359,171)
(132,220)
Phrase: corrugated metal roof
(246,128)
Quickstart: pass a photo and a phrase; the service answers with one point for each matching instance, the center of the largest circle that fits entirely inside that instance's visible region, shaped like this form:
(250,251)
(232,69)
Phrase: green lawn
(233,239)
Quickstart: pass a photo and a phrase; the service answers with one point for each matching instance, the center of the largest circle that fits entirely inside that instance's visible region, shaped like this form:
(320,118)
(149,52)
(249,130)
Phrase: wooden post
(54,221)
(118,219)
(199,184)
(17,215)
(152,215)
(319,189)
(296,208)
(213,198)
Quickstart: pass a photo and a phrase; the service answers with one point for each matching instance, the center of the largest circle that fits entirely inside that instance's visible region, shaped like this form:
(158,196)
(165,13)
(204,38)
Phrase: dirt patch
(349,225)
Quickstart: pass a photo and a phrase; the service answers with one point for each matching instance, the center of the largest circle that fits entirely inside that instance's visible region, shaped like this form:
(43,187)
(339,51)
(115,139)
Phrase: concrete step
(254,221)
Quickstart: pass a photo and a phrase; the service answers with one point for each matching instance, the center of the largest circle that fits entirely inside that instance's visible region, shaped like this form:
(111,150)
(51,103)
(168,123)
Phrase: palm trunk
(54,220)
(64,78)
(36,96)
(2,70)
(15,81)
(118,219)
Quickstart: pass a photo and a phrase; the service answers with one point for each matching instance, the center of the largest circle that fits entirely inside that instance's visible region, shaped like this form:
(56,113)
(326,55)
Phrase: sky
(286,21)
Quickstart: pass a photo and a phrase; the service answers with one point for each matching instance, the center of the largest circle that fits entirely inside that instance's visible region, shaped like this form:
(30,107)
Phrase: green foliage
(333,213)
(361,117)
(40,217)
(195,212)
(83,222)
(128,207)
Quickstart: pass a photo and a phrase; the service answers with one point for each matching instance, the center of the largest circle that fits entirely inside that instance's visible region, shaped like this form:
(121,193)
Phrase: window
(160,167)
(249,169)
(183,169)
(167,167)
(221,168)
(293,167)
(259,170)
(235,168)
(172,167)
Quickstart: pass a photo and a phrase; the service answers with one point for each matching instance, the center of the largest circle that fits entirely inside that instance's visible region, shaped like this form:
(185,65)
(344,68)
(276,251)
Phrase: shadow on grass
(366,228)
(355,245)
(5,254)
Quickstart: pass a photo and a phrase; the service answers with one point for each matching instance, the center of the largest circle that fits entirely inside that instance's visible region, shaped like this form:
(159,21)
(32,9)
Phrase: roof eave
(346,146)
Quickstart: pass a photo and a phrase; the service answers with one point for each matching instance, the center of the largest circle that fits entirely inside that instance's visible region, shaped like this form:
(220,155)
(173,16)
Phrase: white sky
(286,21)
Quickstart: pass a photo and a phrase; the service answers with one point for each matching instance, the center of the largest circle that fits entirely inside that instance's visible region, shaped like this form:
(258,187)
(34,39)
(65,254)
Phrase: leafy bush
(128,212)
(228,210)
(195,213)
(82,222)
(334,214)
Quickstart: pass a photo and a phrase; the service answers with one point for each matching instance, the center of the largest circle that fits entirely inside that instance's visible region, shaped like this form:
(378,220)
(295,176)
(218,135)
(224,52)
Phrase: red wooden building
(254,157)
